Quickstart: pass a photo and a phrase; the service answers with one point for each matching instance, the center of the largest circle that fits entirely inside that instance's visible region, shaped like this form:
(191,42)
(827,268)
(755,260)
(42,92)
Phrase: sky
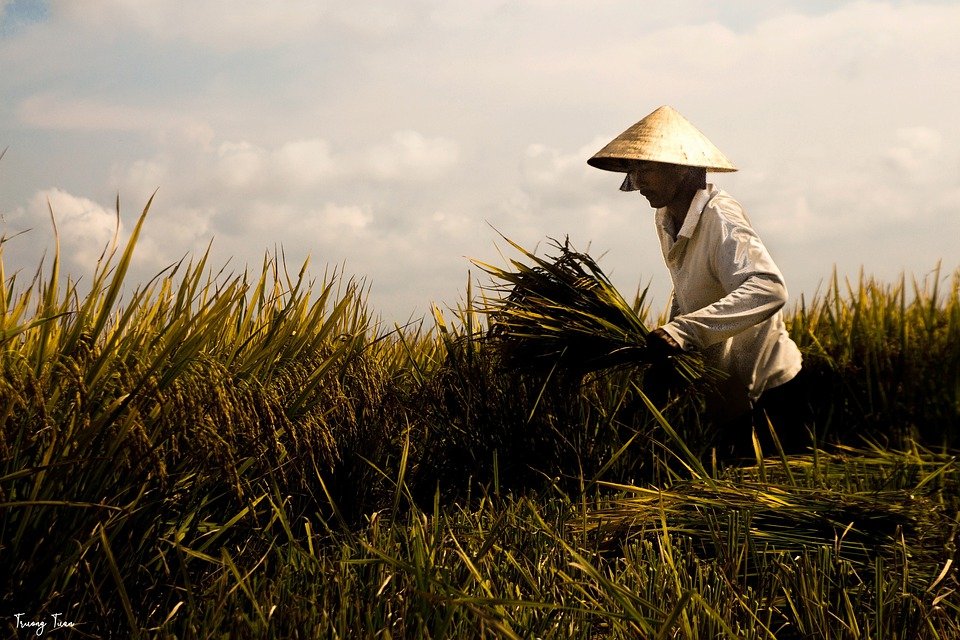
(396,141)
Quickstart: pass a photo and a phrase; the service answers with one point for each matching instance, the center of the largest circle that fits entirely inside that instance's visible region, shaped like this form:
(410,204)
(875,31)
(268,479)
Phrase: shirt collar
(697,205)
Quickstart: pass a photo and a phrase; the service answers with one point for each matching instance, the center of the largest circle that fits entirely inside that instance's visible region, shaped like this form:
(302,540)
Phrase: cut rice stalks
(564,312)
(908,509)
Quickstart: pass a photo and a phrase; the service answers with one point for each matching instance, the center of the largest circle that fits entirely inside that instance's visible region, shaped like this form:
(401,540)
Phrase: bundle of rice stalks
(916,521)
(563,311)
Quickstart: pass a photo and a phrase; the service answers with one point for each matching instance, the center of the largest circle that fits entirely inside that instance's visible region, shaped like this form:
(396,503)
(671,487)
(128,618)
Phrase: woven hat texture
(662,136)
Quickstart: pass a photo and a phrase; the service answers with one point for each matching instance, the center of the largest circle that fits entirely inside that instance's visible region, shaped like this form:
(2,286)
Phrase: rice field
(256,455)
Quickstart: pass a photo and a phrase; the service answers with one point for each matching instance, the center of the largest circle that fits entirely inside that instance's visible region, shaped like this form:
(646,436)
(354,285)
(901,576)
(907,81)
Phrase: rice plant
(887,355)
(135,436)
(255,455)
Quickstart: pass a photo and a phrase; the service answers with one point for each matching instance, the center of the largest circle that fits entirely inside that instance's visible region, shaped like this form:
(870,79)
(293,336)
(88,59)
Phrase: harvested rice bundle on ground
(860,503)
(563,311)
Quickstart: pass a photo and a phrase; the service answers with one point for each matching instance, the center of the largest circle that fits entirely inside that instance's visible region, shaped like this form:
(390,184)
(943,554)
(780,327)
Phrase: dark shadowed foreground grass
(254,455)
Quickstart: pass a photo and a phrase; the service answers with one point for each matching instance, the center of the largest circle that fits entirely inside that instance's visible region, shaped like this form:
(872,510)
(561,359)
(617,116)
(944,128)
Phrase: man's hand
(661,378)
(661,344)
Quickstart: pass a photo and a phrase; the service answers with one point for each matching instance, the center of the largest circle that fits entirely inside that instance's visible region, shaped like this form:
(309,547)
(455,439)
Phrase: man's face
(658,182)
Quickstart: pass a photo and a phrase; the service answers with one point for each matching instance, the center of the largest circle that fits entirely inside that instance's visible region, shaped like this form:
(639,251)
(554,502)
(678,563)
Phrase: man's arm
(759,297)
(745,271)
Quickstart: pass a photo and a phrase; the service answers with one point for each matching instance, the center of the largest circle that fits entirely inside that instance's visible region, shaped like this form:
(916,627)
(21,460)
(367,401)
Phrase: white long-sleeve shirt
(727,293)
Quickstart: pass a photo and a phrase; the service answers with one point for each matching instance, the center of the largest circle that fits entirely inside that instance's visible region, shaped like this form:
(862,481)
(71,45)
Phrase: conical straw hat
(663,136)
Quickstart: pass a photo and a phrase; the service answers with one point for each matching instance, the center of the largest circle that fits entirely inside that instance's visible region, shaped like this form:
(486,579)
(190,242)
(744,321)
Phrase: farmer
(727,291)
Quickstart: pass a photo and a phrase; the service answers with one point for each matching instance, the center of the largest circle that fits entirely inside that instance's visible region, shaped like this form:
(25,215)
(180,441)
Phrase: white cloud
(51,111)
(917,151)
(301,166)
(85,228)
(386,135)
(410,155)
(334,222)
(241,164)
(48,111)
(143,177)
(302,195)
(225,25)
(305,162)
(561,187)
(544,167)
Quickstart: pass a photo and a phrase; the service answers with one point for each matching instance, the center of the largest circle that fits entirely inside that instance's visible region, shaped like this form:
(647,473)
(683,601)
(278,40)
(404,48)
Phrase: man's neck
(677,210)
